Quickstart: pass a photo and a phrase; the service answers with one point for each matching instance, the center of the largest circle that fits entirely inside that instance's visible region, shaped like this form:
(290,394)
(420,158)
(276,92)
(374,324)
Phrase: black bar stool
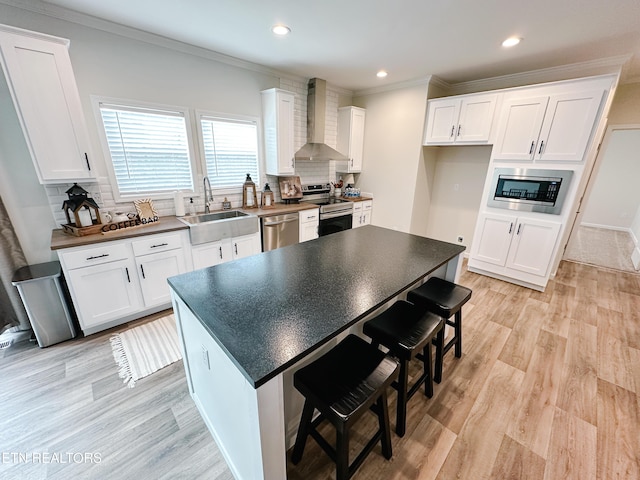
(407,332)
(343,384)
(445,299)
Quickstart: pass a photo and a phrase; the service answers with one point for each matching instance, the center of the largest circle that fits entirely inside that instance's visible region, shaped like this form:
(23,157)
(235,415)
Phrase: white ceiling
(347,41)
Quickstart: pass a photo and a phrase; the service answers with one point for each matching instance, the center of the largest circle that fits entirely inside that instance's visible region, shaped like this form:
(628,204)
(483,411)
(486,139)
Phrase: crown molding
(608,65)
(61,13)
(424,81)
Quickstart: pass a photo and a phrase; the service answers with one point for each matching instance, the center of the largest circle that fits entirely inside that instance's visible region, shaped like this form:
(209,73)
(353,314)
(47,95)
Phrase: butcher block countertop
(60,240)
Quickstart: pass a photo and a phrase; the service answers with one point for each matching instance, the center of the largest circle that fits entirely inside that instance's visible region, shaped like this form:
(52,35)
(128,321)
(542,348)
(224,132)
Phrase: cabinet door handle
(159,245)
(453,129)
(292,160)
(541,147)
(533,144)
(459,127)
(98,256)
(352,162)
(86,157)
(236,247)
(519,227)
(510,228)
(221,252)
(126,269)
(142,270)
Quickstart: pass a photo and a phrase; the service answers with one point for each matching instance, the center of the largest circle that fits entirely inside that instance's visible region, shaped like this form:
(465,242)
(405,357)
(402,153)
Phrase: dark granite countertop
(270,310)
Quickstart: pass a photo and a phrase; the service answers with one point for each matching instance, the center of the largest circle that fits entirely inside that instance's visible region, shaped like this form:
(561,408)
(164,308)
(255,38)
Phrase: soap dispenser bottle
(192,206)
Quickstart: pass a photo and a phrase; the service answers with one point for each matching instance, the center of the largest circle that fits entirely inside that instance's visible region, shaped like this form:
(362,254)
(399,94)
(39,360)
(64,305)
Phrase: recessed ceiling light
(511,42)
(281,30)
(381,74)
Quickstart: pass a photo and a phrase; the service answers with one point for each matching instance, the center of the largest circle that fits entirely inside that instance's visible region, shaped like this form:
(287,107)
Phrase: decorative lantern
(267,197)
(82,209)
(249,194)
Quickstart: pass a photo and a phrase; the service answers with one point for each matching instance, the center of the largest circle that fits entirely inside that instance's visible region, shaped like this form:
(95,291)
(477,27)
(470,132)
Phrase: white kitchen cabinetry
(113,282)
(103,283)
(509,244)
(460,120)
(278,124)
(246,246)
(309,222)
(158,258)
(214,253)
(547,127)
(362,213)
(45,95)
(350,140)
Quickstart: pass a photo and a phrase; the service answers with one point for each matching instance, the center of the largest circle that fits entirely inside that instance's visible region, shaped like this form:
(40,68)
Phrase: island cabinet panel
(233,410)
(45,95)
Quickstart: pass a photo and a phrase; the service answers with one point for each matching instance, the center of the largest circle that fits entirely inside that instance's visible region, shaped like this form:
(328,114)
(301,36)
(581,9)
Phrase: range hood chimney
(315,148)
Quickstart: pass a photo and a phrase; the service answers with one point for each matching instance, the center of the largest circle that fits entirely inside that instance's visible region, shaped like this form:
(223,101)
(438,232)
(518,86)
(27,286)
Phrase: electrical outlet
(205,357)
(98,198)
(460,239)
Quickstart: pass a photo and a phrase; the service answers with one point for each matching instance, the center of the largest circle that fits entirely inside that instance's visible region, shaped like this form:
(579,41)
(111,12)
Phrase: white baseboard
(606,227)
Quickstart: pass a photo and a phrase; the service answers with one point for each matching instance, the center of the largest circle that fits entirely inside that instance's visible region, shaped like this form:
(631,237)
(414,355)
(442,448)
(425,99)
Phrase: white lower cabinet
(512,246)
(214,253)
(362,213)
(105,292)
(153,271)
(114,282)
(309,223)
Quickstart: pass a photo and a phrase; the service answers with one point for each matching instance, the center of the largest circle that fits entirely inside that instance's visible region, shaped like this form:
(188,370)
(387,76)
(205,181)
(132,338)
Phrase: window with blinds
(230,150)
(150,149)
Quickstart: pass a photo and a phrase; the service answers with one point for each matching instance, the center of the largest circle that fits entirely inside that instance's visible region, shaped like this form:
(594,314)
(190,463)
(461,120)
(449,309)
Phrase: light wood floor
(548,387)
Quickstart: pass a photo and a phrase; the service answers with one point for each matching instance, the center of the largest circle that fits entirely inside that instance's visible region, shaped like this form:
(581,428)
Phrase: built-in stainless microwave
(529,189)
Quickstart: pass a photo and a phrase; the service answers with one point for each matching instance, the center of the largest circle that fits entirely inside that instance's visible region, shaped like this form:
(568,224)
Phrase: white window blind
(149,149)
(230,150)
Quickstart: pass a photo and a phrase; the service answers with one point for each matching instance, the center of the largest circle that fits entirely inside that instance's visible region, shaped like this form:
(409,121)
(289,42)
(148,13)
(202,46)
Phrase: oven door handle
(325,216)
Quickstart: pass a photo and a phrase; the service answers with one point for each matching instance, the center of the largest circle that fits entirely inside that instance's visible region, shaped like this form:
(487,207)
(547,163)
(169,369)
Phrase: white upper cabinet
(45,95)
(351,137)
(460,120)
(278,123)
(547,128)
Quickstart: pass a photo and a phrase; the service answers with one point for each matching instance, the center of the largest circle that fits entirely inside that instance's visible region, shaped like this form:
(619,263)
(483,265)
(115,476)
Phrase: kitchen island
(246,326)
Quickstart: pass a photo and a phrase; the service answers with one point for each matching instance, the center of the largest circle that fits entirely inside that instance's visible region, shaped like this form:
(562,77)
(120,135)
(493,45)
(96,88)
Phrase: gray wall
(107,64)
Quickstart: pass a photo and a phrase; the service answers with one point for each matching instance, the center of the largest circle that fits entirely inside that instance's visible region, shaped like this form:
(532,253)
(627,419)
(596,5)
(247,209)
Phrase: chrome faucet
(207,198)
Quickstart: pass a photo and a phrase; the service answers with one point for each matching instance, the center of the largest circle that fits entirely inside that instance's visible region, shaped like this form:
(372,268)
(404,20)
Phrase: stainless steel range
(336,214)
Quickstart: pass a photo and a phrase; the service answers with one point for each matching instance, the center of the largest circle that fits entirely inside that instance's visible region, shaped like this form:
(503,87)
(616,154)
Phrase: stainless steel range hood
(315,148)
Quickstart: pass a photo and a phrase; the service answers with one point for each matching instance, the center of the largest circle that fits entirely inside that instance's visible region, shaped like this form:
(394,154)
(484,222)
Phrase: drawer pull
(98,256)
(159,245)
(220,252)
(142,270)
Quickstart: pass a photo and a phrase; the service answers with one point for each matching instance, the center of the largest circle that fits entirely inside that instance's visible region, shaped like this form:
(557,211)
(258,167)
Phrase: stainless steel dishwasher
(280,231)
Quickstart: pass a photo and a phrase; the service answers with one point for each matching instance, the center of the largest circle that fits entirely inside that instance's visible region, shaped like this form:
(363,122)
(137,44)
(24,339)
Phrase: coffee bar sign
(146,211)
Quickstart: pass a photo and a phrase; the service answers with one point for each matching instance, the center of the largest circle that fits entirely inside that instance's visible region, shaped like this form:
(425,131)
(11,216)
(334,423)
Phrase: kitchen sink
(212,227)
(212,217)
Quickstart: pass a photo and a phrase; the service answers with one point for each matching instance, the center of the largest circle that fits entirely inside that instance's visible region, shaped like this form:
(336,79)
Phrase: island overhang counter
(246,326)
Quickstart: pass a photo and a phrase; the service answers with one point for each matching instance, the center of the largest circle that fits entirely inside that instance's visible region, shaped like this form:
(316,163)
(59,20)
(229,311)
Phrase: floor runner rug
(145,349)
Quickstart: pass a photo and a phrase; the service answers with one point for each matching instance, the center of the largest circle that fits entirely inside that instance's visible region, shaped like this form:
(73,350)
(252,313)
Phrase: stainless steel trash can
(41,290)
